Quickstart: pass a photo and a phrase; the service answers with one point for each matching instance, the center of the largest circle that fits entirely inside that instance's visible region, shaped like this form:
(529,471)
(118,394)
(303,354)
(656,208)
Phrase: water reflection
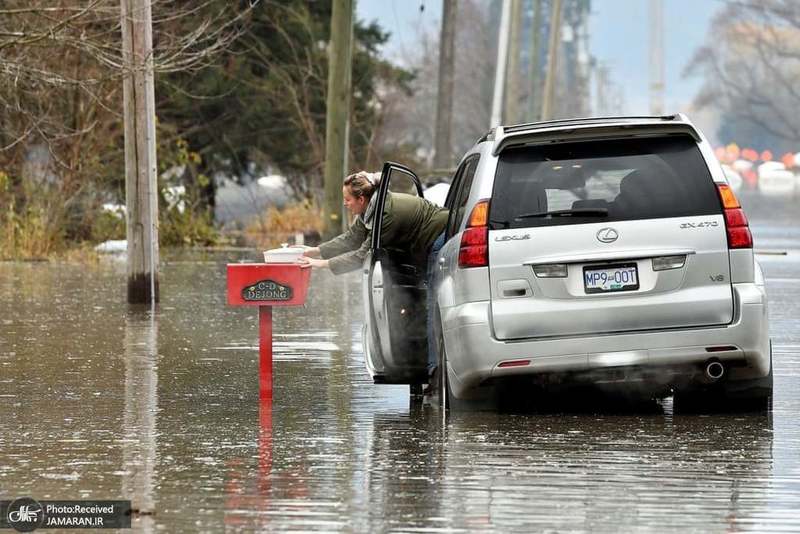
(139,450)
(240,503)
(601,472)
(405,471)
(496,472)
(102,402)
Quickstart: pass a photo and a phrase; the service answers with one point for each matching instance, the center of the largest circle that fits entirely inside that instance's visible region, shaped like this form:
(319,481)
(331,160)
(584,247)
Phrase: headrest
(634,183)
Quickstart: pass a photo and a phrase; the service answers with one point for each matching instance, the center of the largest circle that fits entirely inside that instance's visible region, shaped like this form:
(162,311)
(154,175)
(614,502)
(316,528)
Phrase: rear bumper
(474,354)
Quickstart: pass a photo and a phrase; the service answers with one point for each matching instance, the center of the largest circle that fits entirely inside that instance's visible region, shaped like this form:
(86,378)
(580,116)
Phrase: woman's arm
(310,252)
(349,240)
(341,254)
(313,262)
(343,263)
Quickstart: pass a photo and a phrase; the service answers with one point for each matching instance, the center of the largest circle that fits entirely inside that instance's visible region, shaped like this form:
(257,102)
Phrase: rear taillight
(736,225)
(474,248)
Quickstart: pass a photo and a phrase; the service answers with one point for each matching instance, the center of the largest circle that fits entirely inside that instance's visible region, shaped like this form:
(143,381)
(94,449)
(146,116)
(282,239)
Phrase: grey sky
(619,32)
(618,37)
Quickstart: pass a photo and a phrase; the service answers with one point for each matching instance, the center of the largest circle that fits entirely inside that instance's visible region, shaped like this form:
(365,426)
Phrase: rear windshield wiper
(580,212)
(495,224)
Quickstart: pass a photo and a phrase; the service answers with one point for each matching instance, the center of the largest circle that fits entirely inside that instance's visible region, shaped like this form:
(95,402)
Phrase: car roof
(588,127)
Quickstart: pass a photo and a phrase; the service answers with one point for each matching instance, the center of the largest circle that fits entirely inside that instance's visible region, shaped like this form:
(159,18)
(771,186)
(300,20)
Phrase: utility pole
(583,61)
(337,117)
(534,67)
(141,185)
(512,73)
(552,61)
(656,57)
(444,99)
(500,69)
(602,108)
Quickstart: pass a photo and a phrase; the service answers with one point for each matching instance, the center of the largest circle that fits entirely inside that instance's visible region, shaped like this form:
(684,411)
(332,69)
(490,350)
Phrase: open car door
(394,293)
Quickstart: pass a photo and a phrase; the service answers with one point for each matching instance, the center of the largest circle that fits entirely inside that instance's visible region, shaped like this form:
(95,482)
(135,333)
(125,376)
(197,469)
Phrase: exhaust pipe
(714,371)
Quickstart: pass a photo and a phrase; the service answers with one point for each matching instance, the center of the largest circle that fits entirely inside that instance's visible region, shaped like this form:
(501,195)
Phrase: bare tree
(61,91)
(474,71)
(60,65)
(752,65)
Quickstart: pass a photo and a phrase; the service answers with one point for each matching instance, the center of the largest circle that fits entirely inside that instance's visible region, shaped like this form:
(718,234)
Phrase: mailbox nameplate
(267,290)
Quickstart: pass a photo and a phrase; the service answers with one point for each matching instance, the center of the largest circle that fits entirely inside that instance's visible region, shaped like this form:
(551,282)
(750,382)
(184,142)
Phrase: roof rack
(589,128)
(584,120)
(501,131)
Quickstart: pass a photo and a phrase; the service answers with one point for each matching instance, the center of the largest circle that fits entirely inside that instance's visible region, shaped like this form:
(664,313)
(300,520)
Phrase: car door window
(400,181)
(396,178)
(458,208)
(452,193)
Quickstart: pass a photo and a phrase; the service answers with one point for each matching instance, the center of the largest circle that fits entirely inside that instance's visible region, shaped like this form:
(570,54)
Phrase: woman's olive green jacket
(410,224)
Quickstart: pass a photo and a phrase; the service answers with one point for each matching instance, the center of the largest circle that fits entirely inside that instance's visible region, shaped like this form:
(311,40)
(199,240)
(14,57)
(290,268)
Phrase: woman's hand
(312,262)
(310,252)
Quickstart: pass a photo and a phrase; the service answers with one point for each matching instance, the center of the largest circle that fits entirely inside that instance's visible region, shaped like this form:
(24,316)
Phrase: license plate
(622,277)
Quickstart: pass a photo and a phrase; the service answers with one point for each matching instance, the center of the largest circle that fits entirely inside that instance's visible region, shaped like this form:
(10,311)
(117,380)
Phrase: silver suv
(586,250)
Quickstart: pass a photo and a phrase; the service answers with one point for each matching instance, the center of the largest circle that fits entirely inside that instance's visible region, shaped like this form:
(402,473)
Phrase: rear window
(601,181)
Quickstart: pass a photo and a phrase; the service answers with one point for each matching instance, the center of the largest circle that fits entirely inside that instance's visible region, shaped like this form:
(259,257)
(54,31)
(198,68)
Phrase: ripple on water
(163,409)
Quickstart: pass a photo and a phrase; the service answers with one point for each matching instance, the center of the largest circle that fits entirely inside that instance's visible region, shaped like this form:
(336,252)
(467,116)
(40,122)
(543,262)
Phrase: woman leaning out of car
(410,224)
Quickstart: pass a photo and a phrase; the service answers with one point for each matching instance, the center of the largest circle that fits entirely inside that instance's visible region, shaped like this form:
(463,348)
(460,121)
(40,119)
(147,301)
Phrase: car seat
(635,196)
(532,198)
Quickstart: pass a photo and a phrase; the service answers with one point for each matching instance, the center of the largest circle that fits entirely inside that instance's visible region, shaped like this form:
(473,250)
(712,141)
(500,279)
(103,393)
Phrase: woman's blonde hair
(362,183)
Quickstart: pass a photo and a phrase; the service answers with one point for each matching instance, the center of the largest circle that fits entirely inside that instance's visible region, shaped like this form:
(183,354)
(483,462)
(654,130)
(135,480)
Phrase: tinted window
(616,180)
(454,183)
(402,182)
(458,209)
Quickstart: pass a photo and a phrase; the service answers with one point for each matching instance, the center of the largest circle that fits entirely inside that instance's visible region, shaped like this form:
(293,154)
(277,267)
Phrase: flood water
(99,400)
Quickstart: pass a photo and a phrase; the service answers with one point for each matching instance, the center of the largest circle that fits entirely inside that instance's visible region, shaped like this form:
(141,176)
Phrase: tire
(445,396)
(481,399)
(756,394)
(740,396)
(718,400)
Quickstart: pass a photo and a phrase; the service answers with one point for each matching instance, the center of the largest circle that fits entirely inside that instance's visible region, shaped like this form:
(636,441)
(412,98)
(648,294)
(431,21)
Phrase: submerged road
(101,402)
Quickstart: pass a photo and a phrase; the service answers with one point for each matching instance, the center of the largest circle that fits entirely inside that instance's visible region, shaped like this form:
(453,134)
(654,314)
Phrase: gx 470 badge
(704,224)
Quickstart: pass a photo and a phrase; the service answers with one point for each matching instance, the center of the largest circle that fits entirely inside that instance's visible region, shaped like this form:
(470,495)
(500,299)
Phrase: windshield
(611,180)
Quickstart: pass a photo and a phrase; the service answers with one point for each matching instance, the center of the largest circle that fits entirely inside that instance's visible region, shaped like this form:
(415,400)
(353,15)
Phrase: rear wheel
(440,379)
(714,400)
(742,395)
(480,399)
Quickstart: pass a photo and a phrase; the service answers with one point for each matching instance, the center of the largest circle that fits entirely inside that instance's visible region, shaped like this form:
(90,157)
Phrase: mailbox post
(266,285)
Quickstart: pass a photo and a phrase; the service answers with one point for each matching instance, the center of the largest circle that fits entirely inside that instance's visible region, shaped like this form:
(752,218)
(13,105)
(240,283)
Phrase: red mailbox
(266,285)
